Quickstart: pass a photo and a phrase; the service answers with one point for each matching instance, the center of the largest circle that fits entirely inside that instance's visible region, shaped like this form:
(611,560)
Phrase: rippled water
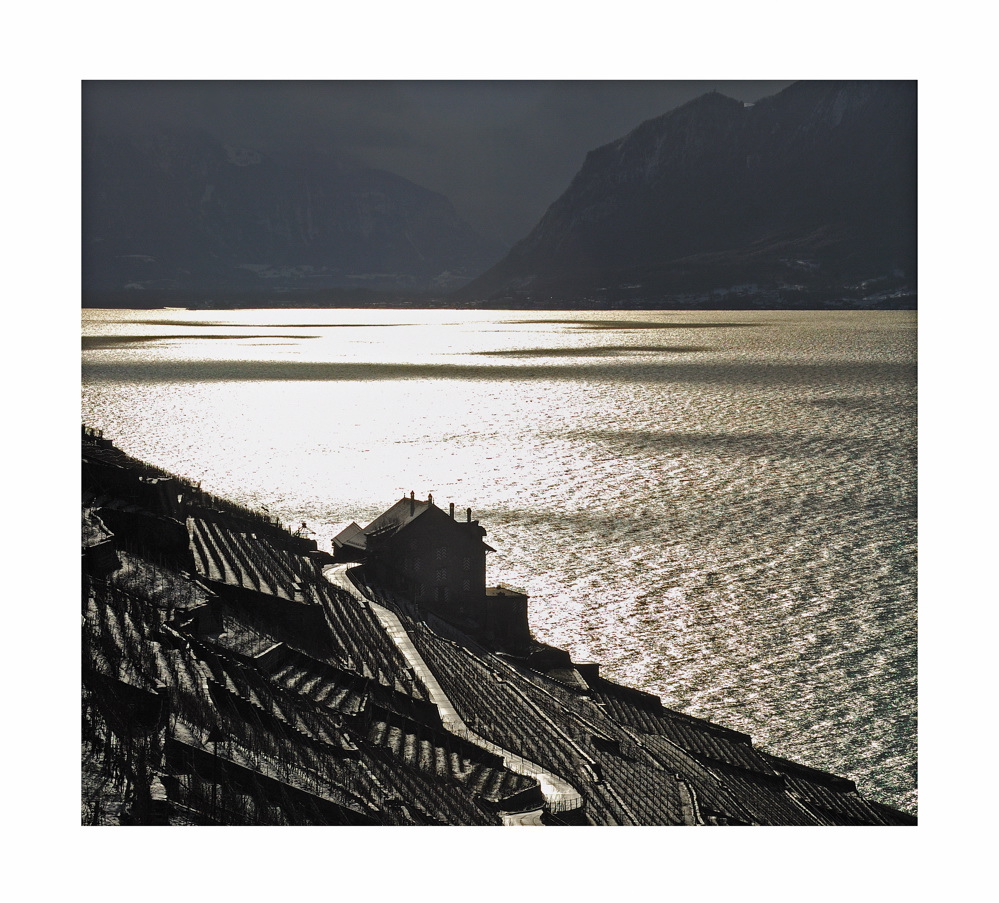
(718,507)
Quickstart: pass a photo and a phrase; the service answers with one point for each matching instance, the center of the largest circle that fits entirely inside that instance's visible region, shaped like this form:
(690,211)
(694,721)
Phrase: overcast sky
(501,151)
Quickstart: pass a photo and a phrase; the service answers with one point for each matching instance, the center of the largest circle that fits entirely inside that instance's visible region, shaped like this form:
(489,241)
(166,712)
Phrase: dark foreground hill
(806,198)
(235,674)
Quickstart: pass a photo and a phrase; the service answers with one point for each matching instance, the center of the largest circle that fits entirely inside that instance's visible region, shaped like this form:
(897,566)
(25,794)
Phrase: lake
(717,506)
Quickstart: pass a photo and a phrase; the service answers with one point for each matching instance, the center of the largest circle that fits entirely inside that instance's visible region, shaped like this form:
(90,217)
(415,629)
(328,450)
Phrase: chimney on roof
(412,503)
(430,499)
(451,508)
(468,514)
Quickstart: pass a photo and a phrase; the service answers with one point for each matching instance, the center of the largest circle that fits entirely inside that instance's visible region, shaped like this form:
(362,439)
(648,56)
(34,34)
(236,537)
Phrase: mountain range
(179,213)
(803,199)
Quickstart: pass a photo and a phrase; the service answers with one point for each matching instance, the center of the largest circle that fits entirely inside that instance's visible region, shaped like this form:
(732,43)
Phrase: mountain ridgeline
(178,216)
(806,198)
(803,199)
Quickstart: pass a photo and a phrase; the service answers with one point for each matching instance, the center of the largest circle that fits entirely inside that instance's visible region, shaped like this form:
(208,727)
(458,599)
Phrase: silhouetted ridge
(799,197)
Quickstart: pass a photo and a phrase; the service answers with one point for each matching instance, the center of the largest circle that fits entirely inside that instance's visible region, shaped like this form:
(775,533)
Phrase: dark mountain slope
(815,186)
(181,211)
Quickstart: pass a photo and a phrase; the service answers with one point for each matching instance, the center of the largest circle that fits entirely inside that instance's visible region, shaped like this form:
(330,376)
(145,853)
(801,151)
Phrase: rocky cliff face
(814,187)
(183,211)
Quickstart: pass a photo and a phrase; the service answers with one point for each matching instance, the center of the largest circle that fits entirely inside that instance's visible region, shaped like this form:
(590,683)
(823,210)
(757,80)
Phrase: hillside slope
(226,680)
(179,211)
(812,191)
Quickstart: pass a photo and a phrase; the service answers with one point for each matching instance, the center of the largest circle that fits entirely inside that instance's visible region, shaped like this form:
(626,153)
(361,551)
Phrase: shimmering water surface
(719,507)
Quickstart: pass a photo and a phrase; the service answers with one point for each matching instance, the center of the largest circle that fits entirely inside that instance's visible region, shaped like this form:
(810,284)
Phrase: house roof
(403,513)
(351,535)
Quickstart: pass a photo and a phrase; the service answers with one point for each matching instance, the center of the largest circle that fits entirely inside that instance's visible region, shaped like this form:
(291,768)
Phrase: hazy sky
(501,151)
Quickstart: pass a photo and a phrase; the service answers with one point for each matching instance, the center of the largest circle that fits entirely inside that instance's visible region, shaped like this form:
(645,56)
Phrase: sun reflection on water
(722,515)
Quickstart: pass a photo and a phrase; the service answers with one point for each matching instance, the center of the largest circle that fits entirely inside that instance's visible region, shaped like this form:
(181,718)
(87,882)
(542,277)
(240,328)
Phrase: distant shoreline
(905,302)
